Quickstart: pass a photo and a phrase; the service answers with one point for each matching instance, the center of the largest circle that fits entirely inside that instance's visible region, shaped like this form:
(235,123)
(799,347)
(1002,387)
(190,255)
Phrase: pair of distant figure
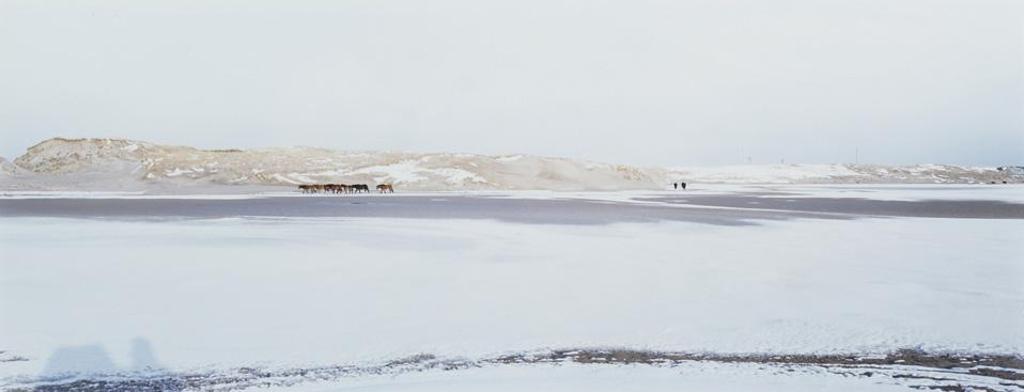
(676,185)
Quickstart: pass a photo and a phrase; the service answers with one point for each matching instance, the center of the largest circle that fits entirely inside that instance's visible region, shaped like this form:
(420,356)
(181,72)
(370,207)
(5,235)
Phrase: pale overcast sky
(671,82)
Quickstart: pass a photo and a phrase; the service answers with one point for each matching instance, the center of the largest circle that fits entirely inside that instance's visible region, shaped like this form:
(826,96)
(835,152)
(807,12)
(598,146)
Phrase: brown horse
(333,188)
(336,188)
(313,188)
(385,188)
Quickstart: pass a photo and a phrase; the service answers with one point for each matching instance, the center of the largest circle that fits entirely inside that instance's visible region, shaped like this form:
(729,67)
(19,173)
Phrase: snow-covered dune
(847,174)
(114,164)
(7,168)
(151,163)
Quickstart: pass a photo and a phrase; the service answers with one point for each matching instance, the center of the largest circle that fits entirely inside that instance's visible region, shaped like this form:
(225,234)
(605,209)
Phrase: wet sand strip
(729,210)
(538,211)
(962,209)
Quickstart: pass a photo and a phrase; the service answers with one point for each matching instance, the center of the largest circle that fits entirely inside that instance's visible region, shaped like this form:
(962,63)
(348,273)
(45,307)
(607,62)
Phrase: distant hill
(6,167)
(847,174)
(127,164)
(153,163)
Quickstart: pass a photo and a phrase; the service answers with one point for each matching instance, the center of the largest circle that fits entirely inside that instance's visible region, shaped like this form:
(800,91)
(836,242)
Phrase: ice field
(122,297)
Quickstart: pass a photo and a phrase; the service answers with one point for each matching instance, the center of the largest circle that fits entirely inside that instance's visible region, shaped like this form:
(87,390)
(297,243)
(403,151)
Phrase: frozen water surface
(170,286)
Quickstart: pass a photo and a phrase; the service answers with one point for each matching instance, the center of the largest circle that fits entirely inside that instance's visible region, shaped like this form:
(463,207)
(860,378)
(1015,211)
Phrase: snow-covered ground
(107,296)
(690,377)
(1008,193)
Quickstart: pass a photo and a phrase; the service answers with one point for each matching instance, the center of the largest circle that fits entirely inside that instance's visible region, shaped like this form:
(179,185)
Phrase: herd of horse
(343,188)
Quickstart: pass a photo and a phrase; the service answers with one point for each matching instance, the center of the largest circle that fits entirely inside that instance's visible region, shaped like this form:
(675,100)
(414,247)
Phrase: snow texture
(295,292)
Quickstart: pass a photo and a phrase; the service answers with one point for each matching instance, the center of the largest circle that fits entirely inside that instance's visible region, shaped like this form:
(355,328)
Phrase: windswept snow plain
(521,291)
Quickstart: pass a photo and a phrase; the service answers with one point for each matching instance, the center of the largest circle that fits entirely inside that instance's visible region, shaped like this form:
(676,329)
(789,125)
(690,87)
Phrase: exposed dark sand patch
(905,357)
(238,378)
(8,357)
(948,372)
